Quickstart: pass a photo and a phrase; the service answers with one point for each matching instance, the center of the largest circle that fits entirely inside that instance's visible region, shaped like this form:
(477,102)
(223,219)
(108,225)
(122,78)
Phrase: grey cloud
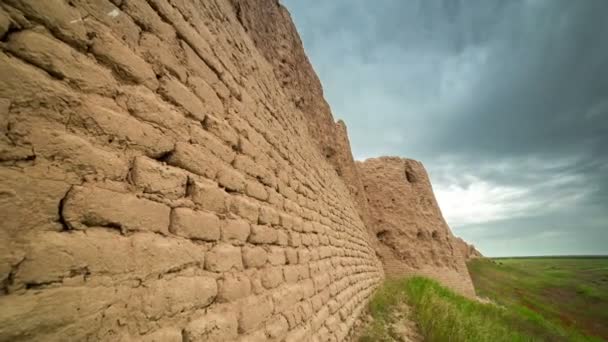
(513,93)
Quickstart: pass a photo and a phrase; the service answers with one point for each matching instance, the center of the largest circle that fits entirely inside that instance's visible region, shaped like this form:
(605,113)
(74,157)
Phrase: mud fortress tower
(170,171)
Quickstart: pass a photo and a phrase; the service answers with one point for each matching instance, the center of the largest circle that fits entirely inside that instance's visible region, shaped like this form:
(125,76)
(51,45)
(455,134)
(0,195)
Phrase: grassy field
(442,315)
(571,291)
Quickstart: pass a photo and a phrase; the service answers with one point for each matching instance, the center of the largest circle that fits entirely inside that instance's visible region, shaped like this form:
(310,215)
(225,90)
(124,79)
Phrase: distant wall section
(414,238)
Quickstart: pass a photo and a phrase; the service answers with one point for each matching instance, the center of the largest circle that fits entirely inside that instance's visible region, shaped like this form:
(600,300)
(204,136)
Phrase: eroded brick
(262,234)
(235,231)
(209,196)
(254,256)
(87,206)
(245,208)
(195,224)
(233,287)
(224,257)
(254,311)
(156,178)
(212,327)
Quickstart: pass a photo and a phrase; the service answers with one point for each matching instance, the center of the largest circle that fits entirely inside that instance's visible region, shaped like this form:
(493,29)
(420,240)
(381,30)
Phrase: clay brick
(89,206)
(277,327)
(307,227)
(160,57)
(314,240)
(304,271)
(195,159)
(77,153)
(303,256)
(262,234)
(291,274)
(276,256)
(246,147)
(268,216)
(286,297)
(293,208)
(256,282)
(58,16)
(255,311)
(293,316)
(178,94)
(209,196)
(235,231)
(212,327)
(308,288)
(320,317)
(306,239)
(155,178)
(272,277)
(275,198)
(295,239)
(291,256)
(282,238)
(117,124)
(321,282)
(231,179)
(254,256)
(246,164)
(147,106)
(255,336)
(200,136)
(164,334)
(148,19)
(60,59)
(288,192)
(222,130)
(168,297)
(224,257)
(233,287)
(325,252)
(297,335)
(256,190)
(128,64)
(297,224)
(245,208)
(193,224)
(207,94)
(286,220)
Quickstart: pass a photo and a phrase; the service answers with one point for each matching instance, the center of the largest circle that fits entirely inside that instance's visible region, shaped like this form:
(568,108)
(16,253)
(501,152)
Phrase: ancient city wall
(160,181)
(414,237)
(170,171)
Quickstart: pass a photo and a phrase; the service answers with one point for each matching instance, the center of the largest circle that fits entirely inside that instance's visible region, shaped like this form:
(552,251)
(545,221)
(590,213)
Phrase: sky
(505,103)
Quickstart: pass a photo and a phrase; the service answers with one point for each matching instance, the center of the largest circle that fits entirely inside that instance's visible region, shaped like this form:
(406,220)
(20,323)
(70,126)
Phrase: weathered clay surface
(414,237)
(468,251)
(170,171)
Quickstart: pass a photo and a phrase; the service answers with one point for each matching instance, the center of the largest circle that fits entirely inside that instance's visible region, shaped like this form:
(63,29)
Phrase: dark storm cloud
(506,103)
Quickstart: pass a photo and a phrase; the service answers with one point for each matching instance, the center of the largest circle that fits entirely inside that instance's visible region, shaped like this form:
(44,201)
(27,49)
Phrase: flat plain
(570,291)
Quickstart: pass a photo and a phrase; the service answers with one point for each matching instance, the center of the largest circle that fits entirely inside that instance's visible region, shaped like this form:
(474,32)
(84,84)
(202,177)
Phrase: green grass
(442,315)
(381,307)
(569,291)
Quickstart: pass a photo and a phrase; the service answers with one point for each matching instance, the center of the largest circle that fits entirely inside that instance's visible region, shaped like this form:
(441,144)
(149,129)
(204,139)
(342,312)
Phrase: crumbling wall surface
(159,181)
(414,237)
(468,251)
(270,27)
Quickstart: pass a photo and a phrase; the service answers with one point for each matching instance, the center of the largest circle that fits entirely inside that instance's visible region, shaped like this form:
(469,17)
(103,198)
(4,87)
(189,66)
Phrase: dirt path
(401,327)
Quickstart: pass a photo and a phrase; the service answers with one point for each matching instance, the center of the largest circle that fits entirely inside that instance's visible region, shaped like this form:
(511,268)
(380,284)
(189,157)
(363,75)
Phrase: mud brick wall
(413,236)
(159,181)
